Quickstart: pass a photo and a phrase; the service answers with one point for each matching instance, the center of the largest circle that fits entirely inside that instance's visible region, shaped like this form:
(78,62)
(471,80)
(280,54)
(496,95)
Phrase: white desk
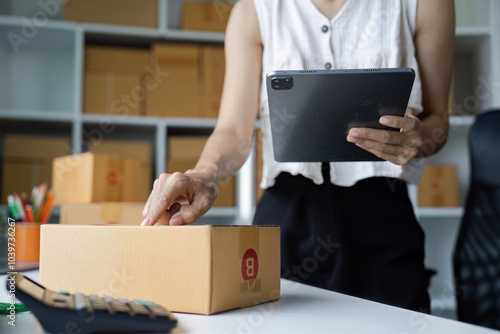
(301,309)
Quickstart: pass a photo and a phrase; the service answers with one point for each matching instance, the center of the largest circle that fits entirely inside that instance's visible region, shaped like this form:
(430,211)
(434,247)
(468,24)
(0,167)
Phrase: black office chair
(477,252)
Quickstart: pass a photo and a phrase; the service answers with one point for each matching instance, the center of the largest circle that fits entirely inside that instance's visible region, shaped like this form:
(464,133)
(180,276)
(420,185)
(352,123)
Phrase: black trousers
(362,240)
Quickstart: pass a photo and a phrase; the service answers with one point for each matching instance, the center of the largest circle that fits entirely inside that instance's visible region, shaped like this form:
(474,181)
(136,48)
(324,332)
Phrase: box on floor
(27,161)
(195,269)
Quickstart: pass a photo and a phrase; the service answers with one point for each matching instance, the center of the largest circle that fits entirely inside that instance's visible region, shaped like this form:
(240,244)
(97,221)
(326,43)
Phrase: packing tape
(250,287)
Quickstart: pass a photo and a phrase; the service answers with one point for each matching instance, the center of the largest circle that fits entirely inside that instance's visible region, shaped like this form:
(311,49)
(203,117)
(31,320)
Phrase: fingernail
(385,120)
(352,139)
(354,133)
(146,221)
(175,221)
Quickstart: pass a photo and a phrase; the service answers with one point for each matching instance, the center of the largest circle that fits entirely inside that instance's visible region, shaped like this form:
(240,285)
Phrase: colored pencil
(47,208)
(29,213)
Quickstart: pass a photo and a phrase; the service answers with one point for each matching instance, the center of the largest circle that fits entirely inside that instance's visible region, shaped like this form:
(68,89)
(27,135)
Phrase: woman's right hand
(171,191)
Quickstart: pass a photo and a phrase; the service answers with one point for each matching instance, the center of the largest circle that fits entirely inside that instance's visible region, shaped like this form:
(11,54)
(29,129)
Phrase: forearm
(224,154)
(434,132)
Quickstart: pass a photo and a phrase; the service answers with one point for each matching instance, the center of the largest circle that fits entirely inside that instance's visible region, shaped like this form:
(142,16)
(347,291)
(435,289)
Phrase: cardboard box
(183,154)
(205,16)
(112,82)
(27,161)
(177,93)
(213,80)
(89,177)
(194,269)
(123,12)
(135,149)
(104,213)
(438,186)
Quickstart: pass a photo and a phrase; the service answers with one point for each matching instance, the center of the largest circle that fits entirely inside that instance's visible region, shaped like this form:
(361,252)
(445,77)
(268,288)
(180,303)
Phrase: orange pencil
(29,213)
(47,209)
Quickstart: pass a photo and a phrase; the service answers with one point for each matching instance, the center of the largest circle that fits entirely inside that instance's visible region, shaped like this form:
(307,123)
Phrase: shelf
(194,36)
(215,212)
(472,32)
(36,115)
(440,212)
(457,121)
(441,305)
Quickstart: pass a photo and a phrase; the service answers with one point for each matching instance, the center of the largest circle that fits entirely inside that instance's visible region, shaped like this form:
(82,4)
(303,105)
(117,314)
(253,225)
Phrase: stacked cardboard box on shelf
(183,153)
(27,161)
(438,186)
(213,67)
(123,12)
(103,213)
(259,165)
(205,16)
(113,80)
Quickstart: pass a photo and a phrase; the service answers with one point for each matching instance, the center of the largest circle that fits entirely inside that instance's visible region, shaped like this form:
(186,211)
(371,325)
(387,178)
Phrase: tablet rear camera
(282,83)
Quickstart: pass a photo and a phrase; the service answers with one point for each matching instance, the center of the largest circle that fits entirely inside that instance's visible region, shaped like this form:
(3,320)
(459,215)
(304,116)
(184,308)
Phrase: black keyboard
(62,312)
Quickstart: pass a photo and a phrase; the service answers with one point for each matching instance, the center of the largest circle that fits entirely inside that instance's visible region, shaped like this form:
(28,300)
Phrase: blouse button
(324,28)
(328,66)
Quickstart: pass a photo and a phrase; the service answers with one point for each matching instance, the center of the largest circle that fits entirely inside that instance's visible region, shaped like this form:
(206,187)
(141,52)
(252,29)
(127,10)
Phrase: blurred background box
(438,186)
(135,149)
(183,154)
(89,177)
(104,213)
(113,80)
(205,16)
(123,12)
(27,161)
(178,93)
(213,80)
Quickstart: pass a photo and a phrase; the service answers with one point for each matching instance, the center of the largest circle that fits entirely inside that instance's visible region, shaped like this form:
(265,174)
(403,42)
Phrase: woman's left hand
(396,147)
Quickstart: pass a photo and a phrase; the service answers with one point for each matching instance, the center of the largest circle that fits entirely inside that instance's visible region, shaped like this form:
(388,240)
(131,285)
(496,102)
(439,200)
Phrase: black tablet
(312,111)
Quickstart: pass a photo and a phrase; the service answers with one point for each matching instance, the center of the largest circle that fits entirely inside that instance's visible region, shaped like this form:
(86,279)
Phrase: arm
(426,134)
(229,145)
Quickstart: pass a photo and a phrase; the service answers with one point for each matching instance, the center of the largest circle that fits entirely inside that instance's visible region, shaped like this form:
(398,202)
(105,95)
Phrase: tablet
(311,111)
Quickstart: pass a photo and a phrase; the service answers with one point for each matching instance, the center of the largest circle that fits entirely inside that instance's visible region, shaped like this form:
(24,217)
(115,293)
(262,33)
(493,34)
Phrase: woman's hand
(396,147)
(171,191)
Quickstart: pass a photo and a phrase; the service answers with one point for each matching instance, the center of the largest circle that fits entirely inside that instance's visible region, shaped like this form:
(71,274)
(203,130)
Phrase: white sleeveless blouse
(363,34)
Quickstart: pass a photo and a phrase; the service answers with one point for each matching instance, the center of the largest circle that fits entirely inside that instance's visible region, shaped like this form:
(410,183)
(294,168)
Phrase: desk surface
(301,309)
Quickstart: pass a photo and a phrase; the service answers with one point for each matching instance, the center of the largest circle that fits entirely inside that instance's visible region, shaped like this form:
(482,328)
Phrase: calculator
(63,312)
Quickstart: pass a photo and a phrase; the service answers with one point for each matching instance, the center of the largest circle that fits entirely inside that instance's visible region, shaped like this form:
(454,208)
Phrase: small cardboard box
(213,80)
(177,92)
(113,80)
(438,186)
(27,161)
(183,154)
(135,149)
(194,269)
(104,213)
(89,177)
(123,12)
(205,16)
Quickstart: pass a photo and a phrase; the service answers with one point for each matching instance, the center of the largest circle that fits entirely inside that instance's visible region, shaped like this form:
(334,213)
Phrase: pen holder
(27,242)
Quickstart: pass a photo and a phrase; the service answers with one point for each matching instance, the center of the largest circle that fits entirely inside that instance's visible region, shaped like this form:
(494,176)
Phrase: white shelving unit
(476,89)
(41,87)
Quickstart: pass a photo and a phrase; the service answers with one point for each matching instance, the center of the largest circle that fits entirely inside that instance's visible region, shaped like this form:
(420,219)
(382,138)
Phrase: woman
(350,226)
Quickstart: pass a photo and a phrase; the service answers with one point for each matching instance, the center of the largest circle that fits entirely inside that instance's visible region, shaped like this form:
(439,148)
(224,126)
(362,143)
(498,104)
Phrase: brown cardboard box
(135,149)
(178,92)
(113,80)
(183,154)
(205,16)
(124,12)
(438,186)
(213,80)
(89,177)
(195,269)
(27,161)
(104,213)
